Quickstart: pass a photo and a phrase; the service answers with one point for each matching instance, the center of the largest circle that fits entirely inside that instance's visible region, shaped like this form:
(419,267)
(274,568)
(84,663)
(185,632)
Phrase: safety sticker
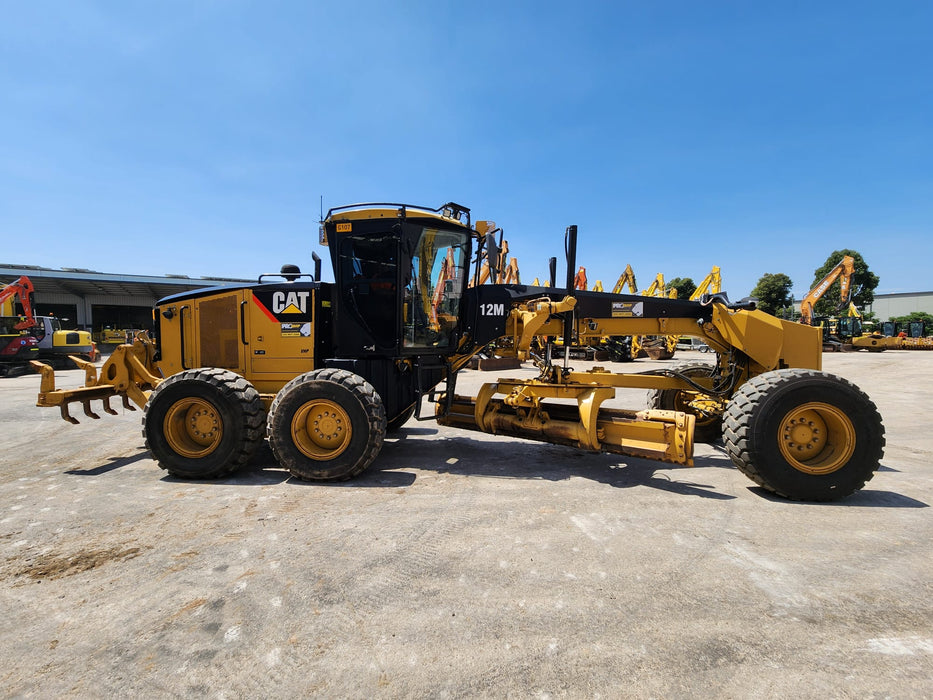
(628,309)
(295,330)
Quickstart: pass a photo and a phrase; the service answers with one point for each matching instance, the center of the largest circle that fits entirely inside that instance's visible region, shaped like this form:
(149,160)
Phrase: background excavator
(17,346)
(53,344)
(832,339)
(324,370)
(844,331)
(658,347)
(505,267)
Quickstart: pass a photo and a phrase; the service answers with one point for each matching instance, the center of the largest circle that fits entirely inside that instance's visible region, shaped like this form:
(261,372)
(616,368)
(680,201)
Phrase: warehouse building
(93,300)
(887,306)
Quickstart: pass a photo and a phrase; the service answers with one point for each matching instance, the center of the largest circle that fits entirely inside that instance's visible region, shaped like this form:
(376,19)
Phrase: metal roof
(83,282)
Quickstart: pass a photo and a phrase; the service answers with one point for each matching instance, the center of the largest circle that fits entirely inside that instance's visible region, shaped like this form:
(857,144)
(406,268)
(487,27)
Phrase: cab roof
(449,213)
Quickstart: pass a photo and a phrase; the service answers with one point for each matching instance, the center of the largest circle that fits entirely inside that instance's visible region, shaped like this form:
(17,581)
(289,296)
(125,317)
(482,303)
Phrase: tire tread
(230,385)
(737,429)
(372,407)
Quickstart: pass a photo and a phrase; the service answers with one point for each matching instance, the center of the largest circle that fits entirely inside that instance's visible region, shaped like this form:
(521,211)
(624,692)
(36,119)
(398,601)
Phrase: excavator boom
(626,279)
(23,289)
(711,284)
(843,272)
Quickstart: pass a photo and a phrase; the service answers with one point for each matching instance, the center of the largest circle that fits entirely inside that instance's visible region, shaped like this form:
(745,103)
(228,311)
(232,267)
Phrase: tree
(914,316)
(903,322)
(862,288)
(773,292)
(684,286)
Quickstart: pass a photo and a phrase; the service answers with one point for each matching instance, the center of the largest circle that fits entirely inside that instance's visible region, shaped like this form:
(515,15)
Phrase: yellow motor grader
(324,370)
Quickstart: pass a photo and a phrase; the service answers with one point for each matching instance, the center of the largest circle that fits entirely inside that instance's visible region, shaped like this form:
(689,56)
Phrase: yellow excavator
(621,348)
(626,280)
(659,347)
(711,284)
(323,370)
(506,267)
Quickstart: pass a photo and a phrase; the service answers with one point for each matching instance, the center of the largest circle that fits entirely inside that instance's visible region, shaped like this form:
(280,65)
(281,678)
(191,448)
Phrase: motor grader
(324,370)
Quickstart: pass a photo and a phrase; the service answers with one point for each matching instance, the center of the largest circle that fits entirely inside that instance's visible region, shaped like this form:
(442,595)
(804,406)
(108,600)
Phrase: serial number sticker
(295,330)
(344,228)
(628,309)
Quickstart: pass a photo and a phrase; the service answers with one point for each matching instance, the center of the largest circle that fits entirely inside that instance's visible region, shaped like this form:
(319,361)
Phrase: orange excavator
(843,272)
(17,347)
(579,280)
(52,343)
(23,289)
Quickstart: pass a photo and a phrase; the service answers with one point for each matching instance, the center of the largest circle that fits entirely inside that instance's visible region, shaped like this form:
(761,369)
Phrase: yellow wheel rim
(321,429)
(816,438)
(193,428)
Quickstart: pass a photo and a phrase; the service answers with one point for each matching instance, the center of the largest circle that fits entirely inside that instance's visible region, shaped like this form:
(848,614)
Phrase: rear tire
(803,434)
(203,423)
(707,410)
(326,425)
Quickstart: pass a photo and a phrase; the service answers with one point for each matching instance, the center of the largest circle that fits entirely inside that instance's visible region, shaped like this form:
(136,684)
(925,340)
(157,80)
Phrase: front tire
(203,423)
(326,425)
(803,434)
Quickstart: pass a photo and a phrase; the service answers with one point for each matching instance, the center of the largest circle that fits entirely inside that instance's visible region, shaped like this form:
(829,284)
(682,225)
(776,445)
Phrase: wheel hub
(204,424)
(321,429)
(816,438)
(193,427)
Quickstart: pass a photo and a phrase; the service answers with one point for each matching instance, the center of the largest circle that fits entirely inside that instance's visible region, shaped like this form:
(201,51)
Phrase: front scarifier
(803,434)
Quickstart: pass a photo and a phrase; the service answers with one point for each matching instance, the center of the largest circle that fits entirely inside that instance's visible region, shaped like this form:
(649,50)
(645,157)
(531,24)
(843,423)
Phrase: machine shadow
(405,450)
(113,463)
(530,460)
(866,498)
(524,459)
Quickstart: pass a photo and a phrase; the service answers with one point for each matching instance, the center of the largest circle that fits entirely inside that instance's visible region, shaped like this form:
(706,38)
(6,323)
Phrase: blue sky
(198,137)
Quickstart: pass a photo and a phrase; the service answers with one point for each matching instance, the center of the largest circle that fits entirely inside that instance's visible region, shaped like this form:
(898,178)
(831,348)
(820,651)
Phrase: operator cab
(400,272)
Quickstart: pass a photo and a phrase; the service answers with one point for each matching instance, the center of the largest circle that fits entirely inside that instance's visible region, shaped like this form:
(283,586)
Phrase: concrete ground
(462,565)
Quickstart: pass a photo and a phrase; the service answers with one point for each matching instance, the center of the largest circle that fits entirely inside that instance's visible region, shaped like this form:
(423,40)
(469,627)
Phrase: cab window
(431,303)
